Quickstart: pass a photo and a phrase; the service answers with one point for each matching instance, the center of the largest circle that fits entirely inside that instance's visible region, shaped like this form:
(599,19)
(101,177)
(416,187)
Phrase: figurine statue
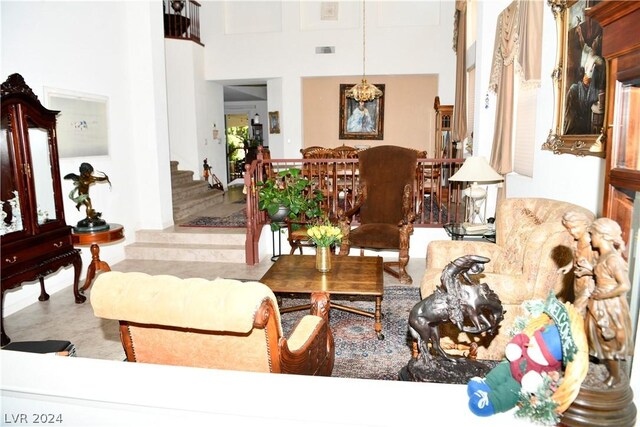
(457,296)
(608,322)
(577,224)
(80,195)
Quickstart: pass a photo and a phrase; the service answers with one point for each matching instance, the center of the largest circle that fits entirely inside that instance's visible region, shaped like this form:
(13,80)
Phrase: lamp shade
(476,169)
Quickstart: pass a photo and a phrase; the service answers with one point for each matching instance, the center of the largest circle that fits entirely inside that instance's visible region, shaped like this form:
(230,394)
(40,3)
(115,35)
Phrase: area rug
(359,352)
(439,211)
(235,220)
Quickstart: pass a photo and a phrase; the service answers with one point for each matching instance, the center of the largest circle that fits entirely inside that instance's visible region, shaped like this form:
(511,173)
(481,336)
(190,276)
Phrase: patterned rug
(235,220)
(359,353)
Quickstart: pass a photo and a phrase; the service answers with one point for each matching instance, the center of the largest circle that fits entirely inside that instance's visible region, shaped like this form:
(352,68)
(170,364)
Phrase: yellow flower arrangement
(324,234)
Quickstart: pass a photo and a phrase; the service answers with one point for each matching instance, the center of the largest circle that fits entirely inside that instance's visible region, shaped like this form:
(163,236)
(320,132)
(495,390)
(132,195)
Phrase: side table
(458,232)
(114,234)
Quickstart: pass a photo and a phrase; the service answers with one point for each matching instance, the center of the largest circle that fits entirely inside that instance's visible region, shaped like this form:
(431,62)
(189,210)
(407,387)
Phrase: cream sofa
(221,324)
(531,244)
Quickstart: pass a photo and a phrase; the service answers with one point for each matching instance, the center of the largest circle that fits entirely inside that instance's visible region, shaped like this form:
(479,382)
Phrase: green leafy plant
(289,189)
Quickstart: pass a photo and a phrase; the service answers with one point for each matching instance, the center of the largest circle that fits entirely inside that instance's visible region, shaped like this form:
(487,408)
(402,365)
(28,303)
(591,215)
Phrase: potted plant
(288,194)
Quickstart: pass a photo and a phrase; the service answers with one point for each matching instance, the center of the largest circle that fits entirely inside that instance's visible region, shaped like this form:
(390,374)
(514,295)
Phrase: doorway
(237,136)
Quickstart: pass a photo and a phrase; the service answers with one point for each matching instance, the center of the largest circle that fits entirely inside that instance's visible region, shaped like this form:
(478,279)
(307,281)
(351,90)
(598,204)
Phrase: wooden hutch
(35,239)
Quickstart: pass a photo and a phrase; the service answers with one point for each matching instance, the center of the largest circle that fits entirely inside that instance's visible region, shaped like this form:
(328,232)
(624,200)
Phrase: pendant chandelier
(364,91)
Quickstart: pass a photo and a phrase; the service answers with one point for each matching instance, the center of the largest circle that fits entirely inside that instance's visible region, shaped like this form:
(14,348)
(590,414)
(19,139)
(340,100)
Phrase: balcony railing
(437,200)
(182,20)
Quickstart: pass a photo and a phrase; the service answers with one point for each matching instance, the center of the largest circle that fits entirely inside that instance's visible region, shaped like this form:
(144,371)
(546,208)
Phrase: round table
(115,233)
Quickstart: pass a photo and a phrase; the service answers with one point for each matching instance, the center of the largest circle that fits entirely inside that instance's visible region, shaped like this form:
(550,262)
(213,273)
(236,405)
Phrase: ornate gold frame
(558,140)
(376,110)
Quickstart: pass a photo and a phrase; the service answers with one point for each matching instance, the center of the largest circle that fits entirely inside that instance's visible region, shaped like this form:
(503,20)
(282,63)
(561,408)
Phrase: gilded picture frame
(361,120)
(580,82)
(274,122)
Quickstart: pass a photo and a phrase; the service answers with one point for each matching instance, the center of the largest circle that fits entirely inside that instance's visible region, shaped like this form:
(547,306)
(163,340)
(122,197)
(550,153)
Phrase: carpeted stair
(190,195)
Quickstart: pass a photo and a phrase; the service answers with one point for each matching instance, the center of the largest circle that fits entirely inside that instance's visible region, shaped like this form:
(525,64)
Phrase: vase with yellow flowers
(324,235)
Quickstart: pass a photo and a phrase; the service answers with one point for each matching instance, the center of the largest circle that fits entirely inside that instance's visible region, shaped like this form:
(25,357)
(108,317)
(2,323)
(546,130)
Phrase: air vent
(325,49)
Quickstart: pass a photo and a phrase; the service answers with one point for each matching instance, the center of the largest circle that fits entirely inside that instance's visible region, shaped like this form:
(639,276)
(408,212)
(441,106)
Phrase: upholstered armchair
(220,324)
(384,206)
(531,245)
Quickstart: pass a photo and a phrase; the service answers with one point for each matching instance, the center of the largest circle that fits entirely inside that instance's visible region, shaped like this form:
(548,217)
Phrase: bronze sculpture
(605,396)
(608,322)
(80,195)
(458,296)
(577,224)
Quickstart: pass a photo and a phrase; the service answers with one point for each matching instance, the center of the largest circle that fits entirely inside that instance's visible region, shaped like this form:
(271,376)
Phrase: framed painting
(361,120)
(580,82)
(82,127)
(274,122)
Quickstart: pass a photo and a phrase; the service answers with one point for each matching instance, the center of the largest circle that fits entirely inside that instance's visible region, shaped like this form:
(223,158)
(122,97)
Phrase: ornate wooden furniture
(385,206)
(358,276)
(445,147)
(531,244)
(619,19)
(219,324)
(115,233)
(35,240)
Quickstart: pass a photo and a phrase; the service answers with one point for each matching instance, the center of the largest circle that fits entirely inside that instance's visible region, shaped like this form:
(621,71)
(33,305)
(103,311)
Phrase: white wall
(277,40)
(112,49)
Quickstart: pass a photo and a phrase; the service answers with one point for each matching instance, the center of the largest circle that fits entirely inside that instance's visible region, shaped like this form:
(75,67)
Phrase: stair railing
(437,200)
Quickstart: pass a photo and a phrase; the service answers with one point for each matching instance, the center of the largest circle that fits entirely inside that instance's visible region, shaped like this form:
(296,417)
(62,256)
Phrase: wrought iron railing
(437,200)
(182,20)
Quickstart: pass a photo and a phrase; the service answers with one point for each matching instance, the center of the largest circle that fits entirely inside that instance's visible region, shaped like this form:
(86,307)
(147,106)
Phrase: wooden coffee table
(349,275)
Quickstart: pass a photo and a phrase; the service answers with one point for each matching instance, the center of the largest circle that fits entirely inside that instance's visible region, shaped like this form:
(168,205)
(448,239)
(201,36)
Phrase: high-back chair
(220,324)
(531,245)
(384,206)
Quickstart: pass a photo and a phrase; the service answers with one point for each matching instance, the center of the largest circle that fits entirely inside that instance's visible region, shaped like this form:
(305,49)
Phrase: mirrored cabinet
(35,239)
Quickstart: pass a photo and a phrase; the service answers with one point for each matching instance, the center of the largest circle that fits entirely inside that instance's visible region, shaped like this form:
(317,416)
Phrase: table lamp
(474,170)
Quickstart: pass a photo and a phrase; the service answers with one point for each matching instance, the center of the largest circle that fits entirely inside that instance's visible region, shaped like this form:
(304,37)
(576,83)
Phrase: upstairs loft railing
(182,20)
(437,200)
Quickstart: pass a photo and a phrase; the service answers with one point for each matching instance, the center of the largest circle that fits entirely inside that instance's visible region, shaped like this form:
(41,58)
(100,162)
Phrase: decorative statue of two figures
(80,195)
(469,305)
(601,285)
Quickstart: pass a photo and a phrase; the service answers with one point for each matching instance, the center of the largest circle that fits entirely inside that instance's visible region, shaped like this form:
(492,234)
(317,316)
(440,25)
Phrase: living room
(117,50)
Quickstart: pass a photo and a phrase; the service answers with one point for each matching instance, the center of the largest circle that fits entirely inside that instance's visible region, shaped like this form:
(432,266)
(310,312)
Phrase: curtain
(517,50)
(459,131)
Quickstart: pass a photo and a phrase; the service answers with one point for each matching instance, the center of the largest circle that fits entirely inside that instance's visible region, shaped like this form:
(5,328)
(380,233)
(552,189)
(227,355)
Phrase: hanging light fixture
(364,91)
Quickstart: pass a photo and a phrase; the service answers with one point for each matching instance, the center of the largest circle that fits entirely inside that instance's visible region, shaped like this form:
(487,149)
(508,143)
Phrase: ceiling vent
(325,49)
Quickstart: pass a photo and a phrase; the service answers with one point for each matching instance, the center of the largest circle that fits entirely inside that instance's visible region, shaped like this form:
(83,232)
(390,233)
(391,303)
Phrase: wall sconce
(256,119)
(215,132)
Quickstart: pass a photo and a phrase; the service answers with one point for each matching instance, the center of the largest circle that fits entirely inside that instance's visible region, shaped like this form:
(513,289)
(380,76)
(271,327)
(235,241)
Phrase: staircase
(190,196)
(189,244)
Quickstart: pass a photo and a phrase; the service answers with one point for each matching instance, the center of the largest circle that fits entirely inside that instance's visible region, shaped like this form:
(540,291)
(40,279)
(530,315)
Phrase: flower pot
(280,216)
(323,259)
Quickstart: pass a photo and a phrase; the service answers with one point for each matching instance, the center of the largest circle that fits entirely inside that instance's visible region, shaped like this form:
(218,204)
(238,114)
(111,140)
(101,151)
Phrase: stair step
(194,235)
(187,208)
(185,252)
(190,190)
(181,177)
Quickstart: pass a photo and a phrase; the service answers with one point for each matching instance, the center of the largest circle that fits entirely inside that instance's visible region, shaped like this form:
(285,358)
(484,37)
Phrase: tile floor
(60,318)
